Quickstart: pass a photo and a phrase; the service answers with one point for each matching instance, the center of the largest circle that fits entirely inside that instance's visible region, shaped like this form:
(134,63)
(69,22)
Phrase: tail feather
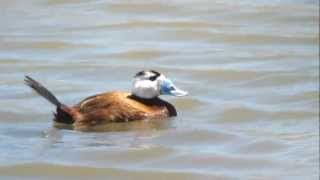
(41,90)
(63,114)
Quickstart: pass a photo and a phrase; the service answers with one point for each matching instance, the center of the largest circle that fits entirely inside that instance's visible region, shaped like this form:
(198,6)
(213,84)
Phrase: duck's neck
(151,101)
(156,101)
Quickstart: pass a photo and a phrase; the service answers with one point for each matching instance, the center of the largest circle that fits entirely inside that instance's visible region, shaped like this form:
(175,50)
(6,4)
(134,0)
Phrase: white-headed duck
(142,103)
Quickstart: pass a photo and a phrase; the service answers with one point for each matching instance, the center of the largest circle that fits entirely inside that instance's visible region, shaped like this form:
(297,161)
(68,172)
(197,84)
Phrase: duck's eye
(152,78)
(172,88)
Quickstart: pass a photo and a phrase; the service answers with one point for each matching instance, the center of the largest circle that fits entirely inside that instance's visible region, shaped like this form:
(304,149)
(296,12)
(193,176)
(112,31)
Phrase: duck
(142,103)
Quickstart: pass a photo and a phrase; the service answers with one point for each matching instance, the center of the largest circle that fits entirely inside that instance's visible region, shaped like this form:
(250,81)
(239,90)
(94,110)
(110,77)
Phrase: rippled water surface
(251,68)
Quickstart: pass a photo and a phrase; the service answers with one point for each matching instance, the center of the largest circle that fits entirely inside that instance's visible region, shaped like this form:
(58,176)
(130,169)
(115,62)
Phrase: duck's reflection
(135,134)
(143,125)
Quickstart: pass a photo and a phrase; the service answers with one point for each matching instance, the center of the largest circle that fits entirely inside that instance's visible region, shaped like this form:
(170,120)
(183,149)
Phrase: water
(251,68)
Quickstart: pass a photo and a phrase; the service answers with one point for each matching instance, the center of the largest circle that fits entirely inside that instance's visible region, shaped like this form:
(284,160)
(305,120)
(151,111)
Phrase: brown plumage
(104,108)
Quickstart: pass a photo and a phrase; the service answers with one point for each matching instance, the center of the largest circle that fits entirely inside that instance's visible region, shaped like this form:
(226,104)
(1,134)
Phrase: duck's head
(150,84)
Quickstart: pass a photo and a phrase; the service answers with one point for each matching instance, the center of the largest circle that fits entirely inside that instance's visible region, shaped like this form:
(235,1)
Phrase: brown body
(116,107)
(105,108)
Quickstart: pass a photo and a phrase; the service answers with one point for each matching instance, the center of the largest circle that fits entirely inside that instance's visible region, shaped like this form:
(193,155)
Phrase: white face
(146,85)
(150,84)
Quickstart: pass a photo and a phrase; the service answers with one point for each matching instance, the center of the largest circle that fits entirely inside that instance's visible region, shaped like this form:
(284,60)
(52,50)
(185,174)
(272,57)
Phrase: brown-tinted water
(251,68)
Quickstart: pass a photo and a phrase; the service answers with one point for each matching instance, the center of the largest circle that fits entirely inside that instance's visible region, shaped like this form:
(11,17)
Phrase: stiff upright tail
(41,90)
(63,114)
